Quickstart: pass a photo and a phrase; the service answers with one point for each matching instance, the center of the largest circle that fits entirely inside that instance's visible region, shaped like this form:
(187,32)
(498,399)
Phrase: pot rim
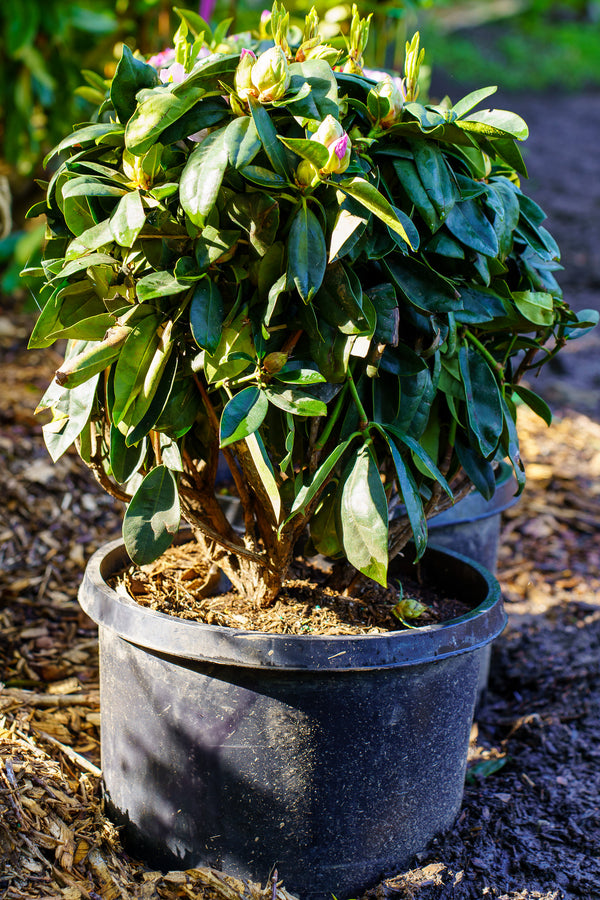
(218,644)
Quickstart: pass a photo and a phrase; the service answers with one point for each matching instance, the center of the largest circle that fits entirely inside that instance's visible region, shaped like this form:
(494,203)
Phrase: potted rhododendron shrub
(265,260)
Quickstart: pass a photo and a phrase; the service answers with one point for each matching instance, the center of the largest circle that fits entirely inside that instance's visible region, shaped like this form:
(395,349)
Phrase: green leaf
(310,490)
(421,286)
(202,177)
(70,414)
(496,122)
(241,141)
(436,176)
(364,517)
(264,471)
(159,109)
(296,402)
(417,450)
(313,151)
(206,315)
(484,404)
(159,284)
(510,443)
(128,219)
(346,231)
(258,214)
(206,113)
(90,134)
(242,415)
(125,461)
(268,135)
(410,182)
(469,102)
(323,97)
(369,197)
(410,495)
(133,364)
(479,471)
(534,402)
(131,76)
(536,306)
(467,222)
(152,518)
(263,177)
(307,253)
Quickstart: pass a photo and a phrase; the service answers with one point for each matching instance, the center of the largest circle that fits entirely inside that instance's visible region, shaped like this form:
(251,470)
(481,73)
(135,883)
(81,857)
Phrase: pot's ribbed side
(333,775)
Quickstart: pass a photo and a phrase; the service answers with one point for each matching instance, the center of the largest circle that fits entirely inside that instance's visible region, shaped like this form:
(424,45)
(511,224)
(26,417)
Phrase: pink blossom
(174,74)
(340,146)
(265,16)
(162,59)
(246,52)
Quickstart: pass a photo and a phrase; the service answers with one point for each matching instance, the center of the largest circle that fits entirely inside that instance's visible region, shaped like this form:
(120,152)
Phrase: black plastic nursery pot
(472,526)
(332,759)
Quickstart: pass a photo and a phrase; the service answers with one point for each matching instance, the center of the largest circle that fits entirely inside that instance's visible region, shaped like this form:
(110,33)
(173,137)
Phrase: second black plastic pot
(334,759)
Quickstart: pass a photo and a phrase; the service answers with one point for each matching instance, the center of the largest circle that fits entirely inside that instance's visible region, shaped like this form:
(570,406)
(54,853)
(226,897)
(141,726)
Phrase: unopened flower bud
(242,78)
(385,102)
(270,75)
(331,134)
(274,362)
(305,173)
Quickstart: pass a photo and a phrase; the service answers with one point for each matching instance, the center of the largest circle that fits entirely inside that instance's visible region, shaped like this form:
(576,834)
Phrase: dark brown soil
(175,584)
(530,822)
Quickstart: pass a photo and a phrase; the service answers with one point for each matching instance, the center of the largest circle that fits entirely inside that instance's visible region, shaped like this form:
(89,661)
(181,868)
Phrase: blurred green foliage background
(44,46)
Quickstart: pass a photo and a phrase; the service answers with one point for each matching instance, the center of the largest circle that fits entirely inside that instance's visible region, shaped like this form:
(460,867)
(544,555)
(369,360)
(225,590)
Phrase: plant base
(332,759)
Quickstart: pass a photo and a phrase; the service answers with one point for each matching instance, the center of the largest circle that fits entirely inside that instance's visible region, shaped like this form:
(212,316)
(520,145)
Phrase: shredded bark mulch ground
(529,828)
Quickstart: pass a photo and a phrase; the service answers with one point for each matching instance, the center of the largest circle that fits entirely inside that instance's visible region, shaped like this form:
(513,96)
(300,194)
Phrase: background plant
(328,282)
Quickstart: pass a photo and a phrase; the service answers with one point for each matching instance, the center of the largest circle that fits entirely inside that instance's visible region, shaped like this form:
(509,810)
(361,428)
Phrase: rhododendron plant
(259,255)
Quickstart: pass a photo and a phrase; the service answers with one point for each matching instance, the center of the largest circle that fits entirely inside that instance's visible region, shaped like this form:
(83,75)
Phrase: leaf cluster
(351,344)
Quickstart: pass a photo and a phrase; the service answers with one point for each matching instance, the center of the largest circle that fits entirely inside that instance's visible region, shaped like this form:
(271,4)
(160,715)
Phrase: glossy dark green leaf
(206,113)
(534,402)
(484,403)
(159,284)
(310,490)
(306,253)
(480,305)
(242,141)
(258,215)
(417,450)
(340,303)
(364,517)
(202,177)
(346,231)
(469,224)
(90,134)
(152,518)
(264,177)
(436,176)
(242,415)
(409,492)
(325,536)
(159,109)
(125,461)
(421,286)
(323,97)
(510,442)
(133,364)
(206,315)
(297,373)
(479,471)
(429,119)
(410,182)
(128,219)
(295,401)
(374,201)
(131,76)
(268,135)
(161,401)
